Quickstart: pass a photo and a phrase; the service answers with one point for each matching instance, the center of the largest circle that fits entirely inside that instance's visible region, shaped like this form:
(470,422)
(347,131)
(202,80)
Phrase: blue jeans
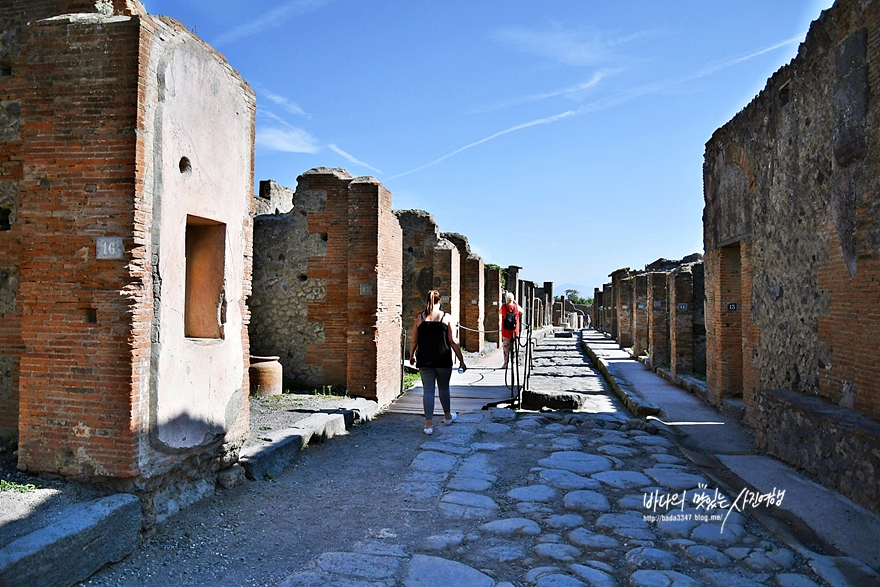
(440,376)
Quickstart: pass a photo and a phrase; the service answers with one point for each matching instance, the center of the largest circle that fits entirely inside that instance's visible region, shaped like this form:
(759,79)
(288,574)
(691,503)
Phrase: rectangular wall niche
(204,311)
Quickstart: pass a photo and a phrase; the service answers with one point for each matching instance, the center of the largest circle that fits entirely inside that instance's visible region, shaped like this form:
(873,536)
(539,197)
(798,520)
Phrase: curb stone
(638,405)
(86,537)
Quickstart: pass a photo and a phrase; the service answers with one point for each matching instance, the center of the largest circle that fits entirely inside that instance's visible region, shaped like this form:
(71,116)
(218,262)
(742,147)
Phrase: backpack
(509,320)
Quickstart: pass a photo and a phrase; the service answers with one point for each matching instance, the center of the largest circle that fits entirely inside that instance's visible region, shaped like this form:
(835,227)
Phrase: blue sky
(566,136)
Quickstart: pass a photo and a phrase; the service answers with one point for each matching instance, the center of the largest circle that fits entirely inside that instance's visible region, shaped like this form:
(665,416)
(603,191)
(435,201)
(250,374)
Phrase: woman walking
(433,342)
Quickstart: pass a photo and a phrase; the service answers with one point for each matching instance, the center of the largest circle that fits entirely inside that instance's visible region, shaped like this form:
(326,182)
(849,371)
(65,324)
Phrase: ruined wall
(792,206)
(447,277)
(327,286)
(492,302)
(272,198)
(420,235)
(658,319)
(471,302)
(622,283)
(640,314)
(118,127)
(680,285)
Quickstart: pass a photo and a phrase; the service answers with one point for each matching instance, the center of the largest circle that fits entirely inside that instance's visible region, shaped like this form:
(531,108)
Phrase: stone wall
(273,198)
(124,277)
(640,314)
(327,286)
(420,235)
(471,299)
(658,319)
(792,235)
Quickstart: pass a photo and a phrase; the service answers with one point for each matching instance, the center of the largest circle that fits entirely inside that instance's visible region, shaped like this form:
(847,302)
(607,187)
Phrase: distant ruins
(792,264)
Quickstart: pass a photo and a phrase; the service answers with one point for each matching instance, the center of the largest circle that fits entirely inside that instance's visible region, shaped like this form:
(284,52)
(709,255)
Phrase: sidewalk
(831,530)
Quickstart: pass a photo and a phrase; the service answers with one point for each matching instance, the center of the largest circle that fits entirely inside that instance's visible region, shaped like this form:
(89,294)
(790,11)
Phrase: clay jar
(265,376)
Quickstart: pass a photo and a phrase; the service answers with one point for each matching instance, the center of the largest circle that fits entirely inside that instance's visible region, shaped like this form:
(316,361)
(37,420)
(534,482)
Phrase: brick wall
(658,319)
(471,303)
(327,286)
(420,236)
(680,285)
(640,313)
(492,302)
(789,190)
(447,277)
(623,290)
(85,316)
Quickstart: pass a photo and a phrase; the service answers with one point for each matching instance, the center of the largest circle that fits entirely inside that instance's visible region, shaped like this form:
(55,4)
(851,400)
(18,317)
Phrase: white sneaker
(429,431)
(452,419)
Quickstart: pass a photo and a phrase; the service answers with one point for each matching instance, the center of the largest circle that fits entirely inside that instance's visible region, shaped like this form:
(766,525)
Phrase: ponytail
(432,300)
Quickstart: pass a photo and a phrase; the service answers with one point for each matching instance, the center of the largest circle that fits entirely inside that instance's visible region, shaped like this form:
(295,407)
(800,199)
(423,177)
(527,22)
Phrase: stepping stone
(361,566)
(567,480)
(668,459)
(420,490)
(540,493)
(576,462)
(725,579)
(632,502)
(536,573)
(567,444)
(653,441)
(615,521)
(441,541)
(475,465)
(488,446)
(379,548)
(616,451)
(586,501)
(675,480)
(759,562)
(432,571)
(444,448)
(502,415)
(794,580)
(560,521)
(653,558)
(505,554)
(462,483)
(586,539)
(522,526)
(622,479)
(559,581)
(706,556)
(560,552)
(647,578)
(712,534)
(434,462)
(594,577)
(469,506)
(494,428)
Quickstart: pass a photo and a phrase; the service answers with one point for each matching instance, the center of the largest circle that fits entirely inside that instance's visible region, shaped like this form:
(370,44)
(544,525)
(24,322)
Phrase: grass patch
(409,379)
(17,487)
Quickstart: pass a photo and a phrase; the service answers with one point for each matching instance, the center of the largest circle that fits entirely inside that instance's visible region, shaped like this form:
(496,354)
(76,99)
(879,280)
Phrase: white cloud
(271,19)
(289,106)
(342,153)
(574,92)
(290,140)
(566,46)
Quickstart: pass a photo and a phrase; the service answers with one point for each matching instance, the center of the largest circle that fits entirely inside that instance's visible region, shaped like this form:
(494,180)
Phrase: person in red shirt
(511,312)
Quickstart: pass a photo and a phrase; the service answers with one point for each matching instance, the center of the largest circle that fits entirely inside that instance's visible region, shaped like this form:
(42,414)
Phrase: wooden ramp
(469,392)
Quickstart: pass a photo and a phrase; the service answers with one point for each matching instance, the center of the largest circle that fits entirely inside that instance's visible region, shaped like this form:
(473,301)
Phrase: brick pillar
(473,304)
(610,301)
(640,314)
(420,236)
(447,277)
(724,323)
(681,332)
(374,290)
(491,304)
(658,320)
(623,301)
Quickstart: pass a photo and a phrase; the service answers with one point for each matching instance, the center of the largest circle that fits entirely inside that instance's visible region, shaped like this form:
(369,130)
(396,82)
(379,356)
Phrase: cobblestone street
(498,498)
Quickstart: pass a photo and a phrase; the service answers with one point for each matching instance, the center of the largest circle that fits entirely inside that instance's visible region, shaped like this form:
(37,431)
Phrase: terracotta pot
(265,376)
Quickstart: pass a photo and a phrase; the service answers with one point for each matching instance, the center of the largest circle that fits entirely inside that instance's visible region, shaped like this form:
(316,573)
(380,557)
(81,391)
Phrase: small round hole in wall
(302,277)
(185,166)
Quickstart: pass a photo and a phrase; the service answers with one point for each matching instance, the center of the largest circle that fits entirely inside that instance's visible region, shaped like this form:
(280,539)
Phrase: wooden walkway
(480,385)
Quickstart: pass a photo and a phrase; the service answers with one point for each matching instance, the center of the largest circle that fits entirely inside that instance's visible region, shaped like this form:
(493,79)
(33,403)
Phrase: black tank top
(433,348)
